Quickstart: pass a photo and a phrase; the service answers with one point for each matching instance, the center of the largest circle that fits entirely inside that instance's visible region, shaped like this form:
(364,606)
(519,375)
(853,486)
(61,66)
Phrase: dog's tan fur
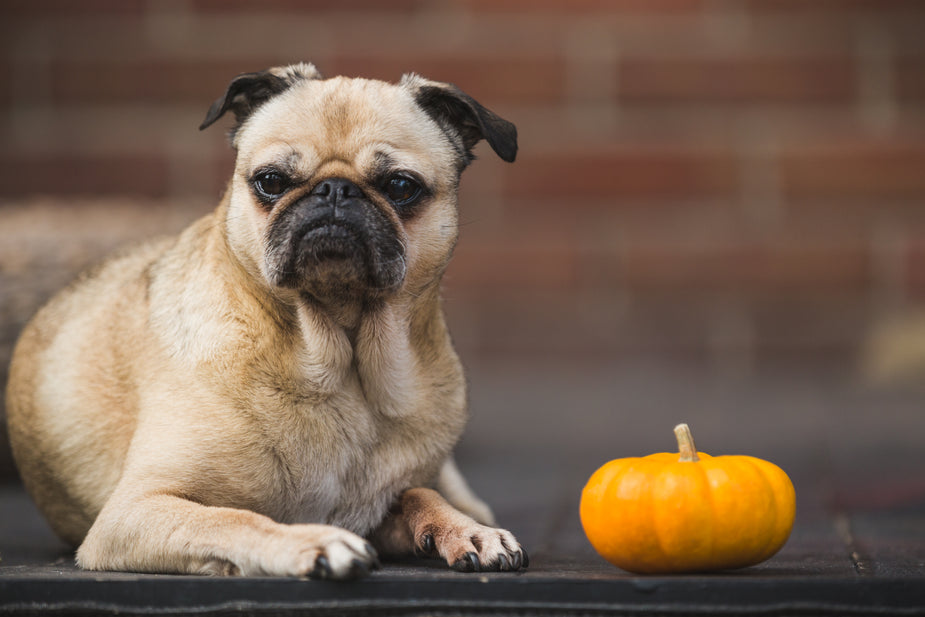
(174,411)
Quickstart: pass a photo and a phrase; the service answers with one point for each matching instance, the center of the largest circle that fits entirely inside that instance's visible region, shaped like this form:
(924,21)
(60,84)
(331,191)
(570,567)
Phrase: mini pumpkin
(687,512)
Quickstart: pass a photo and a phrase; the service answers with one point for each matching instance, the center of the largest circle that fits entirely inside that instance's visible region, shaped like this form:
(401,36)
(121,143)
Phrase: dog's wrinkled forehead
(296,102)
(342,119)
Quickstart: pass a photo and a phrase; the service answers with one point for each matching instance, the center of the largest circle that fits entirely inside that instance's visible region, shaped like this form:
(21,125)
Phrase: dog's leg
(455,489)
(164,533)
(424,523)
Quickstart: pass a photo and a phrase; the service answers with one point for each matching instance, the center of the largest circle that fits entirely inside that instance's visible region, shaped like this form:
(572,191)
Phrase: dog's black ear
(463,118)
(248,91)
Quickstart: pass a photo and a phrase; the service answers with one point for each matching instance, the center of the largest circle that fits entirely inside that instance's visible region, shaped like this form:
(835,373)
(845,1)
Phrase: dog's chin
(336,264)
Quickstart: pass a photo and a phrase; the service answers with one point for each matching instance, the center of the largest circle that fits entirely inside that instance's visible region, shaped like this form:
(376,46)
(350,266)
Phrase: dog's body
(262,392)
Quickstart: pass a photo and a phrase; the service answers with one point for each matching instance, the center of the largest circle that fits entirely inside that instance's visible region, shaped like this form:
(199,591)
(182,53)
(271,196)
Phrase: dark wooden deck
(853,452)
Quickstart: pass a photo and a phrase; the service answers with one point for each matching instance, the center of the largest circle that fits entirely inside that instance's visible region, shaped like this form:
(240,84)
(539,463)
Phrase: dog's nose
(336,189)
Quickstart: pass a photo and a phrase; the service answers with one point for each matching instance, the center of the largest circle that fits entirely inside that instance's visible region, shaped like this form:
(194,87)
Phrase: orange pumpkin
(667,513)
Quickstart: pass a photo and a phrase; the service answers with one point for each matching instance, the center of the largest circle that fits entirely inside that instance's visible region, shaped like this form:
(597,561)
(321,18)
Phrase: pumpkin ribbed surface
(663,514)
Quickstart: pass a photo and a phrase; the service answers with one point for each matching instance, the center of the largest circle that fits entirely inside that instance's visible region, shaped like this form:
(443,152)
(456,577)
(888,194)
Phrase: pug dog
(273,391)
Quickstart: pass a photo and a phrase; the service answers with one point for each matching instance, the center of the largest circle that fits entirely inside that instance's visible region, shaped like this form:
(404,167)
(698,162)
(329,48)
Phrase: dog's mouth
(350,252)
(332,241)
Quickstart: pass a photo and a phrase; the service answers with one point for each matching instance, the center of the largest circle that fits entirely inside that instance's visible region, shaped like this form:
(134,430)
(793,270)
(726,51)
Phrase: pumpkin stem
(686,444)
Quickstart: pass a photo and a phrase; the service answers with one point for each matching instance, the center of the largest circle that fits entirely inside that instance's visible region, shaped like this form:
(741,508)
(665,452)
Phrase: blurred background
(717,213)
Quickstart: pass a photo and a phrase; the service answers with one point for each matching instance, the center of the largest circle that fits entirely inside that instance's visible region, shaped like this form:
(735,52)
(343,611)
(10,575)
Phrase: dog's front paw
(468,546)
(324,552)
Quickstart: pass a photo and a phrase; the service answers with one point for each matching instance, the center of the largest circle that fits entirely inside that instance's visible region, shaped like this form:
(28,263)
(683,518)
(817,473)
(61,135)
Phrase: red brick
(305,6)
(914,267)
(113,37)
(910,79)
(802,33)
(150,81)
(511,265)
(67,7)
(572,7)
(23,175)
(904,32)
(221,170)
(646,173)
(834,6)
(855,170)
(6,77)
(529,79)
(748,266)
(675,80)
(201,81)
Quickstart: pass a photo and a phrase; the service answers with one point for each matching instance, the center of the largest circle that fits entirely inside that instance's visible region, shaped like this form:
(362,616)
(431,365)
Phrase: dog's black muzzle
(334,236)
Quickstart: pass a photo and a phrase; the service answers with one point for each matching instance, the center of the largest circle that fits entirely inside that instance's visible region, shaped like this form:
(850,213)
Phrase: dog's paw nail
(322,568)
(371,551)
(526,558)
(503,564)
(374,563)
(426,546)
(468,563)
(518,561)
(427,543)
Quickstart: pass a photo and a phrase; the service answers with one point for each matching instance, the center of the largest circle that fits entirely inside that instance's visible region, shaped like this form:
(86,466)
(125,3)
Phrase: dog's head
(344,190)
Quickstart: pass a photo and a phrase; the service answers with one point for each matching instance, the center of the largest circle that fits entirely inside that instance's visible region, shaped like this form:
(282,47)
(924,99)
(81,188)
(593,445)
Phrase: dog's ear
(463,118)
(248,91)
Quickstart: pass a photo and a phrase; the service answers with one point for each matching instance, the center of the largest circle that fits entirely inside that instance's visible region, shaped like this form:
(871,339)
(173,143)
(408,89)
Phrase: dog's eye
(271,184)
(402,191)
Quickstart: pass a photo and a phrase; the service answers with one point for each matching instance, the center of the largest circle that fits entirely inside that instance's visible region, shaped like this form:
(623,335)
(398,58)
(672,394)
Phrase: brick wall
(734,181)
